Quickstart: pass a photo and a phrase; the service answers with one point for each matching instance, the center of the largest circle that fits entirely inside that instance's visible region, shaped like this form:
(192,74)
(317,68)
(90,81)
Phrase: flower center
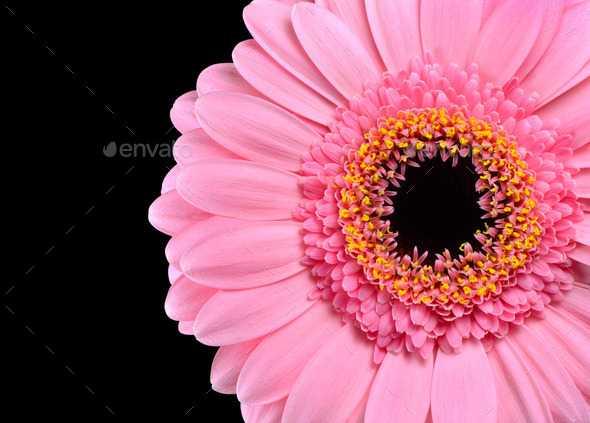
(436,207)
(506,190)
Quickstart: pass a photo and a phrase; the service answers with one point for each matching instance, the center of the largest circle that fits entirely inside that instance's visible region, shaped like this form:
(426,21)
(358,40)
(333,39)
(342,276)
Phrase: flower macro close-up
(380,212)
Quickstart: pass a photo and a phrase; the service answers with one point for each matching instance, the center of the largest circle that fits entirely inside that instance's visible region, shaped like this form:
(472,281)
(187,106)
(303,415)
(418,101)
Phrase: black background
(84,276)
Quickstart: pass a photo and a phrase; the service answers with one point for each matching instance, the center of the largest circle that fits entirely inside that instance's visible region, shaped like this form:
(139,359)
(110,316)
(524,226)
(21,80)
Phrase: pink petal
(270,25)
(577,304)
(196,145)
(255,129)
(581,157)
(174,274)
(463,386)
(571,109)
(506,39)
(186,298)
(183,115)
(396,30)
(353,13)
(268,413)
(334,381)
(237,188)
(246,256)
(582,189)
(583,228)
(278,84)
(169,182)
(553,11)
(271,372)
(401,390)
(569,342)
(184,240)
(519,397)
(570,46)
(227,365)
(223,77)
(449,29)
(236,316)
(563,397)
(170,213)
(582,75)
(580,253)
(335,50)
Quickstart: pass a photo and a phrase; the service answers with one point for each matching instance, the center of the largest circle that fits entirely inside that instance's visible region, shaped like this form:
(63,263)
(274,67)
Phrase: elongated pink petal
(563,397)
(553,11)
(270,25)
(577,304)
(582,75)
(196,145)
(268,413)
(230,317)
(250,255)
(224,77)
(449,29)
(519,396)
(570,46)
(335,380)
(228,363)
(582,179)
(335,50)
(401,390)
(353,13)
(170,213)
(396,31)
(194,234)
(278,84)
(169,182)
(569,341)
(186,298)
(571,108)
(463,387)
(183,115)
(265,192)
(580,253)
(255,129)
(583,228)
(272,371)
(506,39)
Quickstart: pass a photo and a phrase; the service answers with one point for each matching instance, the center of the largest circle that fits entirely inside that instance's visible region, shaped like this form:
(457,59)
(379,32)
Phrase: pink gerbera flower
(381,212)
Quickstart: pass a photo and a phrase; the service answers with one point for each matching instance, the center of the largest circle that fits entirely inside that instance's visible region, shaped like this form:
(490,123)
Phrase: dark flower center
(436,207)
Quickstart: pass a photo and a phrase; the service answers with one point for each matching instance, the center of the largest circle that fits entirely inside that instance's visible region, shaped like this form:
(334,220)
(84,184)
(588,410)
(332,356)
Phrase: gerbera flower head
(380,212)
